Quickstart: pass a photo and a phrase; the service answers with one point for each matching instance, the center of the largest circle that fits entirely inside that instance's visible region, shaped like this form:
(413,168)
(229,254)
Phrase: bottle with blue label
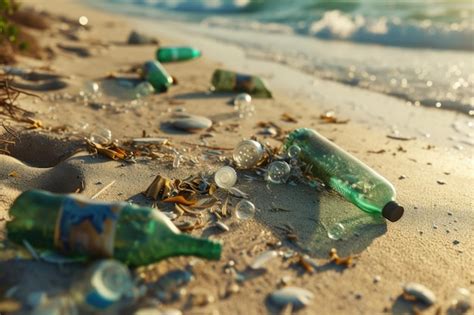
(74,225)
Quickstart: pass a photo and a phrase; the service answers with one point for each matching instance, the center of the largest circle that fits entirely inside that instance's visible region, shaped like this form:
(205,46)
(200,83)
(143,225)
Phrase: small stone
(402,177)
(440,182)
(136,38)
(222,226)
(191,123)
(420,292)
(462,300)
(450,213)
(358,296)
(298,297)
(435,226)
(377,279)
(263,258)
(456,242)
(269,132)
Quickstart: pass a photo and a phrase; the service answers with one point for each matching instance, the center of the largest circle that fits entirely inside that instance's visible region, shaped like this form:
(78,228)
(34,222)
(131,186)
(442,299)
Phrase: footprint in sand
(40,161)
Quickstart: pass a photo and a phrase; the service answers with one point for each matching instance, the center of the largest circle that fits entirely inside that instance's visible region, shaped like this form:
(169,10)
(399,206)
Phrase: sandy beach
(433,243)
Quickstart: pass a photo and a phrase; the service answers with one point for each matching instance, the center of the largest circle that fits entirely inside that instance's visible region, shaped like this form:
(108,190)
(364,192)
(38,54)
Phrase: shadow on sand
(310,214)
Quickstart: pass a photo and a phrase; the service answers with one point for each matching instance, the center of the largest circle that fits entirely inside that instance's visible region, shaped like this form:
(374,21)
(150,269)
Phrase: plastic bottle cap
(392,211)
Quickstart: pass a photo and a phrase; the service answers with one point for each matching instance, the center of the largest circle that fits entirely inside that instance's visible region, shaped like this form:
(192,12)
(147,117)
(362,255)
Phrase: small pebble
(222,226)
(462,300)
(435,226)
(440,182)
(298,297)
(456,242)
(402,177)
(358,296)
(420,292)
(450,213)
(377,279)
(263,259)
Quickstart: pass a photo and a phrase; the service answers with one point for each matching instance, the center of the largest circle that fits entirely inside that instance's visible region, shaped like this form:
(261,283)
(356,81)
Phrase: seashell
(222,226)
(160,188)
(298,297)
(263,258)
(191,123)
(420,292)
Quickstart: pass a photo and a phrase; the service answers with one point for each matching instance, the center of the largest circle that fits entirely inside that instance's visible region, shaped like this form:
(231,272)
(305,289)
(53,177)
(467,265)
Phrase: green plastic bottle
(228,81)
(74,225)
(169,54)
(157,76)
(354,180)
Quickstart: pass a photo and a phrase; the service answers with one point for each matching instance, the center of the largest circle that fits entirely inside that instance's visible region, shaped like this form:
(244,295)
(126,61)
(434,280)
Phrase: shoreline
(406,251)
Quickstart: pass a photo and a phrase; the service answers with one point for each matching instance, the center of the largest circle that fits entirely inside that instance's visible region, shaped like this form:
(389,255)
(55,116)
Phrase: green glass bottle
(168,54)
(228,81)
(354,180)
(157,76)
(74,225)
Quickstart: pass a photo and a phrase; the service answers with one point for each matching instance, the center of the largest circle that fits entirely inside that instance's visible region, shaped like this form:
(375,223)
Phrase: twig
(103,189)
(30,249)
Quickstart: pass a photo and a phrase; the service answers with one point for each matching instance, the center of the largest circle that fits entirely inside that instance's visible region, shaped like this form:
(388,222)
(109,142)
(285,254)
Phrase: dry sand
(418,248)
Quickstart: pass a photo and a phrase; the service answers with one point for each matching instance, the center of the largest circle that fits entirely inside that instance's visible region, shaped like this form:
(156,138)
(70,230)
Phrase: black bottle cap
(392,211)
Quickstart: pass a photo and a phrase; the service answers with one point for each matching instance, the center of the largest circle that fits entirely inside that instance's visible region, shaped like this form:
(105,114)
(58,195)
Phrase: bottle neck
(188,245)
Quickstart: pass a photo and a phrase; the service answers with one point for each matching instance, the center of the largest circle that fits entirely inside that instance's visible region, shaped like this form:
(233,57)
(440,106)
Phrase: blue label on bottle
(86,228)
(243,82)
(98,301)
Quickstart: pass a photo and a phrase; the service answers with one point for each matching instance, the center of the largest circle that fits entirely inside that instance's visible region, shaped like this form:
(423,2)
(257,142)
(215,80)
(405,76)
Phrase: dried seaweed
(343,261)
(8,98)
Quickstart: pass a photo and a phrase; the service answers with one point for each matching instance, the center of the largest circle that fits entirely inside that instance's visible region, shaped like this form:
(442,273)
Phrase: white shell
(292,295)
(421,292)
(263,258)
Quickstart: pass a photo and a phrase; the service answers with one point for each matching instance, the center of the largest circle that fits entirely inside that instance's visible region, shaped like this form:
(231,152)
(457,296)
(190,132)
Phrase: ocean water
(421,50)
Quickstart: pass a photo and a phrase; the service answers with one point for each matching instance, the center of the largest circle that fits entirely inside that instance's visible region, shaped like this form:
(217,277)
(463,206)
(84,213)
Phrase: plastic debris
(225,177)
(278,172)
(336,231)
(101,136)
(243,105)
(143,89)
(248,153)
(244,210)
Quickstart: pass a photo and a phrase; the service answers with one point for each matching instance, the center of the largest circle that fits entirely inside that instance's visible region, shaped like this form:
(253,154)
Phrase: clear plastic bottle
(106,284)
(354,180)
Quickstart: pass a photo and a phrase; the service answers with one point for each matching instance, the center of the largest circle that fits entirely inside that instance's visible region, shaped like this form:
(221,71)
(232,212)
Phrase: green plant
(8,31)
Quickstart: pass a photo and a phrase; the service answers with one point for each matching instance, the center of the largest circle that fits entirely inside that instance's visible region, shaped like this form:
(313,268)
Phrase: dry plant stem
(8,97)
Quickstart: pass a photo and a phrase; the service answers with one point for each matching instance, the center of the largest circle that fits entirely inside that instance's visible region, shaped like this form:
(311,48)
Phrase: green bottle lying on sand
(344,173)
(74,225)
(169,54)
(228,81)
(157,76)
